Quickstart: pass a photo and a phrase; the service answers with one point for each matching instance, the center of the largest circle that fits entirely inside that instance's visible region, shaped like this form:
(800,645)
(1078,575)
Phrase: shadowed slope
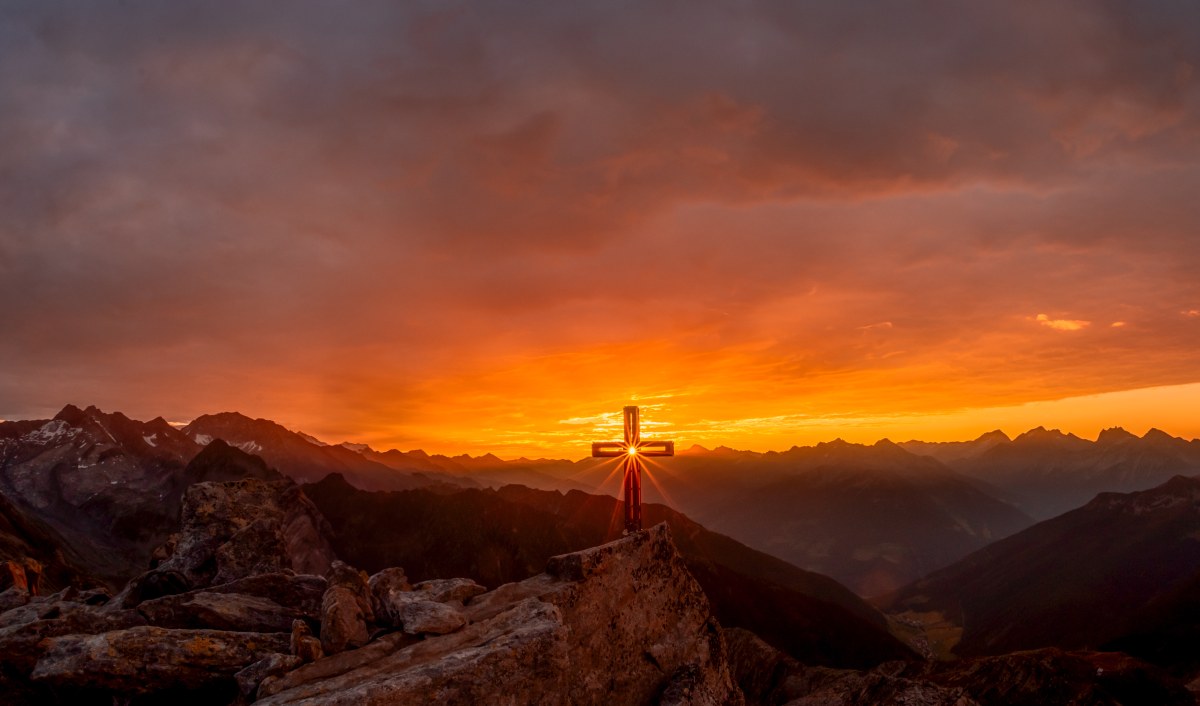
(1076,581)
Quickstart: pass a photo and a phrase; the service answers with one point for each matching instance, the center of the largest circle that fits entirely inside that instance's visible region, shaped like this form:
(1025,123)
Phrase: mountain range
(91,497)
(1046,472)
(1115,573)
(94,495)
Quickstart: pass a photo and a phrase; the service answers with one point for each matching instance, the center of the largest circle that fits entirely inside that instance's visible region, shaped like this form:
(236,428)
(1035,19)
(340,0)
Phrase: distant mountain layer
(873,517)
(300,456)
(1046,472)
(501,536)
(1117,571)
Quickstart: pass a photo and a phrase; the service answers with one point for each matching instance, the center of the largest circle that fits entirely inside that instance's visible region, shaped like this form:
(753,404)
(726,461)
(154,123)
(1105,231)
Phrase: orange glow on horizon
(764,425)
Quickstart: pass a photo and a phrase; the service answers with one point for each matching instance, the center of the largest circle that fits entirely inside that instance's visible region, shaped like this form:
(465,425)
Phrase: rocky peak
(1158,436)
(1115,435)
(995,436)
(241,528)
(218,461)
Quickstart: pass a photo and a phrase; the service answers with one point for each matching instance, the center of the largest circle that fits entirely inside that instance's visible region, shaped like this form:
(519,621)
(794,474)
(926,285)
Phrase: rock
(624,623)
(760,670)
(383,583)
(446,590)
(389,579)
(38,611)
(21,644)
(519,656)
(303,644)
(95,596)
(418,616)
(242,528)
(150,585)
(13,575)
(272,665)
(219,611)
(263,603)
(345,610)
(143,660)
(13,597)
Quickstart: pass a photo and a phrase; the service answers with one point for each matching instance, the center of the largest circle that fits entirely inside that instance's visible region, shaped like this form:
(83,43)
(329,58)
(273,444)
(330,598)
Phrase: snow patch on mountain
(50,432)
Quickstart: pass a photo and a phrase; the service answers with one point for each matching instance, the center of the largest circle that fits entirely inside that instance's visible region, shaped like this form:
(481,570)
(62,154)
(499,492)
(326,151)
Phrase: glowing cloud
(1062,324)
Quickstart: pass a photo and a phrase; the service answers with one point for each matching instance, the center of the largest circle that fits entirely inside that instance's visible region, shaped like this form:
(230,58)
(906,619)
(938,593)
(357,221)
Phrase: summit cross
(631,452)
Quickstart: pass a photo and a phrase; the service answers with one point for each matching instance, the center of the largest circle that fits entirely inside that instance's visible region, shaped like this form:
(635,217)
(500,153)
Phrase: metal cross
(631,451)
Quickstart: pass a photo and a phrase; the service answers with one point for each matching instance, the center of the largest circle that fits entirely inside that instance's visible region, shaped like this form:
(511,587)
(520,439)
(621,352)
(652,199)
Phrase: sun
(633,451)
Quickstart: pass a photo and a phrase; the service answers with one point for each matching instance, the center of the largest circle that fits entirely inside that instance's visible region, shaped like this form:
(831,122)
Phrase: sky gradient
(488,226)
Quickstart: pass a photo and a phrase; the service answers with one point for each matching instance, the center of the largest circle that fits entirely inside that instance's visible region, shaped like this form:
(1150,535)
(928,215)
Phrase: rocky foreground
(248,603)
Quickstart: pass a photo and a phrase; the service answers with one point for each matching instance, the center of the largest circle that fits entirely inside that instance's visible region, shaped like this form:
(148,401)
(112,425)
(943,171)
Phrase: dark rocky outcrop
(621,623)
(238,551)
(247,527)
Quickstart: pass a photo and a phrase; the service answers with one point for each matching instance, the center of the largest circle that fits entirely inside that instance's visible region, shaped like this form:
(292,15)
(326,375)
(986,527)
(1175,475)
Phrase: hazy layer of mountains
(944,535)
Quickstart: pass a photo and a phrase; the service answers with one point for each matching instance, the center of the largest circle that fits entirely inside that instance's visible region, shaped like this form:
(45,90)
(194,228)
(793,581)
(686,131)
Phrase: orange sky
(466,228)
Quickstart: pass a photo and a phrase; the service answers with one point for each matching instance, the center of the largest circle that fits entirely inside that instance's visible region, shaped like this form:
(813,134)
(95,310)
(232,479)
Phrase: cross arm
(608,449)
(656,448)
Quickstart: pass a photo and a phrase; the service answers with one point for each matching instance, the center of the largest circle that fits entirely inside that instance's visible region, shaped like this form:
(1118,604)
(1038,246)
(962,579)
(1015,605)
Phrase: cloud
(353,220)
(1062,324)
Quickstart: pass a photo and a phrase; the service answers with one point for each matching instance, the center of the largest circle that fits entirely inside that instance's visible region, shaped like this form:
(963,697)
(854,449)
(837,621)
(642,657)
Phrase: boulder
(392,578)
(263,603)
(624,623)
(22,643)
(219,611)
(143,660)
(303,644)
(446,590)
(345,610)
(242,528)
(385,582)
(417,616)
(272,665)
